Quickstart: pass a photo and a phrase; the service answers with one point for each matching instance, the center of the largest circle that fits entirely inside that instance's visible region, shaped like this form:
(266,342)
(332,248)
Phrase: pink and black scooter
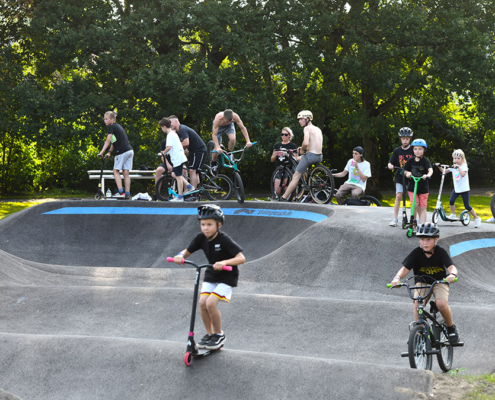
(192,350)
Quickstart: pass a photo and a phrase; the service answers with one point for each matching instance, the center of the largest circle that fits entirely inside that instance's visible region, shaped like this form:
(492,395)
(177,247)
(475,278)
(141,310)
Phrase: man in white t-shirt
(359,171)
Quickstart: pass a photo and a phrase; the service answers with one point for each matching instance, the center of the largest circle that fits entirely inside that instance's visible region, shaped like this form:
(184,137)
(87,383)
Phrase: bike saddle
(433,307)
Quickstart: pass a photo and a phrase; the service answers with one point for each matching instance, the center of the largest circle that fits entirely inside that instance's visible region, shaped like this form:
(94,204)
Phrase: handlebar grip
(227,268)
(455,279)
(389,285)
(254,143)
(171,259)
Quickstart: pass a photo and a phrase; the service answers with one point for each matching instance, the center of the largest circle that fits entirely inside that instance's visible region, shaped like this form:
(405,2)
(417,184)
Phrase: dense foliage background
(365,69)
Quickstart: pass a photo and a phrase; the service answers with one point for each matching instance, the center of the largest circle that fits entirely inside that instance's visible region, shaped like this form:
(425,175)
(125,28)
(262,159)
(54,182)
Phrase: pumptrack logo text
(244,211)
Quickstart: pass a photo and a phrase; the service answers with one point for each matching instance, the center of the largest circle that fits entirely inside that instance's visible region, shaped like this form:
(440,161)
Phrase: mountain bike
(439,210)
(214,187)
(317,181)
(428,335)
(228,160)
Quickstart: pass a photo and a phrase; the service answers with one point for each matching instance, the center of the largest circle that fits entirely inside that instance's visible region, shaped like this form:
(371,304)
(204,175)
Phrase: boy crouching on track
(430,263)
(220,250)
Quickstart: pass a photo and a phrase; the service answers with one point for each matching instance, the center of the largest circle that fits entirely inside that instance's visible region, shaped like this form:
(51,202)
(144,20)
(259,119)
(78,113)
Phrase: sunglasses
(285,134)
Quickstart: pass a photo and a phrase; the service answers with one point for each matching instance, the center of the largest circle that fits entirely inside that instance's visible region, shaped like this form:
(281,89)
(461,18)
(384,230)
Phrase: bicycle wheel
(374,201)
(492,206)
(446,351)
(218,187)
(285,176)
(161,187)
(321,185)
(209,148)
(435,217)
(238,186)
(419,344)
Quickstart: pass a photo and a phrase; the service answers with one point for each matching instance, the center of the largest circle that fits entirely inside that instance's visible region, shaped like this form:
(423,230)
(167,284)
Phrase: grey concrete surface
(311,318)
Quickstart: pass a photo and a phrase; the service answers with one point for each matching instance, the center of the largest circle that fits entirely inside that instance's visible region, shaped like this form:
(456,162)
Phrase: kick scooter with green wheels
(411,225)
(440,212)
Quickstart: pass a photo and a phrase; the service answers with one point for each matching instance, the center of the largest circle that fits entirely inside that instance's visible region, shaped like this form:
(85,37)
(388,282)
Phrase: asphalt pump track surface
(90,309)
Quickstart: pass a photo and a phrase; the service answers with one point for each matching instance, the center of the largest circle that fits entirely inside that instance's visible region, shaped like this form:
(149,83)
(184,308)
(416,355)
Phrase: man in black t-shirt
(430,263)
(398,159)
(194,148)
(220,250)
(117,140)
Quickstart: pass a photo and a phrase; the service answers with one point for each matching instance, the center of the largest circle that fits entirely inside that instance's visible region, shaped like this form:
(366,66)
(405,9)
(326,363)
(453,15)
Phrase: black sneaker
(215,342)
(453,334)
(203,342)
(282,199)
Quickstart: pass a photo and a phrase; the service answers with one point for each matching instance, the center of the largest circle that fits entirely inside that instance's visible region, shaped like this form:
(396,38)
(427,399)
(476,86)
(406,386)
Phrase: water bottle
(109,193)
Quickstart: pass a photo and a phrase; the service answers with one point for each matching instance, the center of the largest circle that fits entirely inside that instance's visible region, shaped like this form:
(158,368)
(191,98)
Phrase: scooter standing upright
(404,191)
(412,224)
(99,192)
(192,350)
(439,210)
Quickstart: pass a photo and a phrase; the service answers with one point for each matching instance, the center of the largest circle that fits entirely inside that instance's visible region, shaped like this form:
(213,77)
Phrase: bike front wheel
(209,148)
(217,187)
(374,202)
(238,186)
(162,186)
(285,176)
(419,345)
(321,185)
(446,351)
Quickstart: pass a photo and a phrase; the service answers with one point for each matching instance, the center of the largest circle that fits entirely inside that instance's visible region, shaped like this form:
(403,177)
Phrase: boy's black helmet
(405,132)
(211,211)
(428,230)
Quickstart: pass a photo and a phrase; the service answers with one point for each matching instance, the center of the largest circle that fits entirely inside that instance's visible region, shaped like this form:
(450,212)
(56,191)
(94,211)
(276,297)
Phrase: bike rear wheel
(321,185)
(238,186)
(285,176)
(209,148)
(419,344)
(374,202)
(446,351)
(492,206)
(217,187)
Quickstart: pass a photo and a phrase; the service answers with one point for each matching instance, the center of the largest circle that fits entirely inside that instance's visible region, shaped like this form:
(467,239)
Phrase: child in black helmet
(430,263)
(220,250)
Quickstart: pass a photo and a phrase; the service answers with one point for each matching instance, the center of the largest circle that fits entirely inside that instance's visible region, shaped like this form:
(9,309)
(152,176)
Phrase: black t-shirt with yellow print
(434,267)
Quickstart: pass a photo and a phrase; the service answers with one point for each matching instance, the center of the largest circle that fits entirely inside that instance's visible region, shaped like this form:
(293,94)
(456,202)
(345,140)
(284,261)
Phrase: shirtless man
(312,145)
(224,123)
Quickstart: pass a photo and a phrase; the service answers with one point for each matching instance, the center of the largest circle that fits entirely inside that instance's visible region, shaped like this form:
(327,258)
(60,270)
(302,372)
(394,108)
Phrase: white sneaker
(177,199)
(394,222)
(214,169)
(189,189)
(452,216)
(490,219)
(119,195)
(477,222)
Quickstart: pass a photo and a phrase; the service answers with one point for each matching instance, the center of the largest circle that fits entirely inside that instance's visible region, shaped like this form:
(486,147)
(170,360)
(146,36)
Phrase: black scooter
(99,193)
(192,350)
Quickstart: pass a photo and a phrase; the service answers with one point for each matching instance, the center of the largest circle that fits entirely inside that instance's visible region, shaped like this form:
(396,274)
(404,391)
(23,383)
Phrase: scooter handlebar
(225,267)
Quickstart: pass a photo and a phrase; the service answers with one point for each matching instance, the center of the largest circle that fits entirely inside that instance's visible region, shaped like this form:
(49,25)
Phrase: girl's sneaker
(215,342)
(452,216)
(204,341)
(394,222)
(477,222)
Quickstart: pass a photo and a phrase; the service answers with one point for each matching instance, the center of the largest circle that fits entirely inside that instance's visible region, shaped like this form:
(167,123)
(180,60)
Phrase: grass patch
(484,387)
(11,207)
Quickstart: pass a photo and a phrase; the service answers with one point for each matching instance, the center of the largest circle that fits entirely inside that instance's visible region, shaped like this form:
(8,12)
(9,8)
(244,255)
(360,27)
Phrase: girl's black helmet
(428,230)
(405,132)
(211,211)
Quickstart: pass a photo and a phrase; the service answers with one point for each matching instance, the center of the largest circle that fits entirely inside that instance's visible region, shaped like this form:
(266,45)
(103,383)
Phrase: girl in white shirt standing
(460,176)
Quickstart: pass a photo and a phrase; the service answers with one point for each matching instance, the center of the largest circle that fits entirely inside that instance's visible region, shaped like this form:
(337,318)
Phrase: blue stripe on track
(241,212)
(469,245)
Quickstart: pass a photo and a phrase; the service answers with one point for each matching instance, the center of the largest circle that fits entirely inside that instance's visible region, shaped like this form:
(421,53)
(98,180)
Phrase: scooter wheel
(465,218)
(409,233)
(97,196)
(188,359)
(404,224)
(434,217)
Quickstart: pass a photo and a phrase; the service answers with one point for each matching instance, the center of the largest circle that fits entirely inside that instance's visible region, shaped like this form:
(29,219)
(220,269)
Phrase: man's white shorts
(220,290)
(123,161)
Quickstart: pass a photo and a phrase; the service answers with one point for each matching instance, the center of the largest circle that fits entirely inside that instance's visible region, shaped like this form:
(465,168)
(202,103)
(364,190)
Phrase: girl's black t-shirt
(221,248)
(434,268)
(288,146)
(418,168)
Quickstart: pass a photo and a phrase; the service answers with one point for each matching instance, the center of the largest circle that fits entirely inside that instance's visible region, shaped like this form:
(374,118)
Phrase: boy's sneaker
(189,188)
(477,222)
(119,195)
(177,199)
(216,341)
(452,216)
(281,198)
(453,334)
(203,342)
(394,222)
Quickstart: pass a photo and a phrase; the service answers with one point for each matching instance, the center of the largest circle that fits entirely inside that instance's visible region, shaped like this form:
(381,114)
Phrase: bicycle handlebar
(184,261)
(410,288)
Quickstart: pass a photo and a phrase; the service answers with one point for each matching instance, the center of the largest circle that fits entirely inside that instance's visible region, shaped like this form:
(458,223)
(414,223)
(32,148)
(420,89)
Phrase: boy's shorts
(421,198)
(177,170)
(307,160)
(440,291)
(220,290)
(123,161)
(399,188)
